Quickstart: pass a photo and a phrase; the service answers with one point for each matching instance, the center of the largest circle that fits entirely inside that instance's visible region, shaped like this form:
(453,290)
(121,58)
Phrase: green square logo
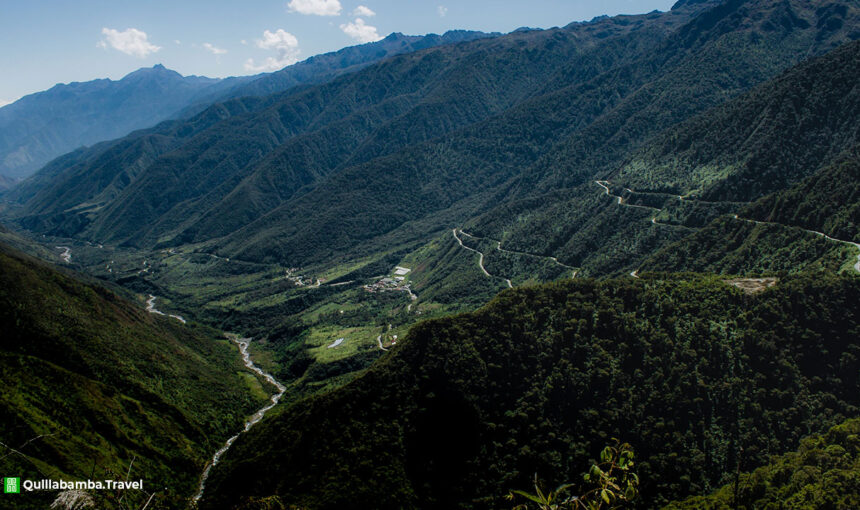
(11,486)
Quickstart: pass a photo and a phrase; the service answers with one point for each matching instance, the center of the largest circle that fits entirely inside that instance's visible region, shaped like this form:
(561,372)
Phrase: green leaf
(604,494)
(630,493)
(606,454)
(563,487)
(528,496)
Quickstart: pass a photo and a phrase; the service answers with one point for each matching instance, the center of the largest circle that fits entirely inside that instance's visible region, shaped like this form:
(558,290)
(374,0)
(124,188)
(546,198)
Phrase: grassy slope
(107,383)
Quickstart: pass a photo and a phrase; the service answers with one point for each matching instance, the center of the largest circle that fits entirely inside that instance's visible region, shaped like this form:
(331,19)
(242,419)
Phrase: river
(243,343)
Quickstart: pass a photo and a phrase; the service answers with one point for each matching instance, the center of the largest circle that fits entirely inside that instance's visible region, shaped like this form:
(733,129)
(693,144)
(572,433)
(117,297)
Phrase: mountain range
(476,261)
(418,136)
(39,127)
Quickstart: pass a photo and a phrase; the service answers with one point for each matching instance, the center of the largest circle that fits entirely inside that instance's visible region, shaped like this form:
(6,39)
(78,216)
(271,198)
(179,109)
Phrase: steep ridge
(91,178)
(715,57)
(766,141)
(324,67)
(42,126)
(95,387)
(344,118)
(688,367)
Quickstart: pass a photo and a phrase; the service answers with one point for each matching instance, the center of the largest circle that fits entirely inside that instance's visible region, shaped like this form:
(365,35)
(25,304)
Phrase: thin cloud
(284,43)
(360,31)
(363,10)
(214,49)
(316,7)
(442,10)
(131,41)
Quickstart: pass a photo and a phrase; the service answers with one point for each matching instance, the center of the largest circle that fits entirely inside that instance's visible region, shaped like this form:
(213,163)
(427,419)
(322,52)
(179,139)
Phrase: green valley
(468,262)
(94,385)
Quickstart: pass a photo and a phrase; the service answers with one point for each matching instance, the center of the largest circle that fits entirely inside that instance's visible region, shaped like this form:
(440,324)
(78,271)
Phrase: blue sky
(43,42)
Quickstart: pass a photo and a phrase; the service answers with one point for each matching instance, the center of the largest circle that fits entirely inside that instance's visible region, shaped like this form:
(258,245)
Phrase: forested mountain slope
(801,125)
(214,182)
(324,67)
(295,141)
(434,137)
(688,368)
(44,125)
(92,383)
(823,473)
(764,142)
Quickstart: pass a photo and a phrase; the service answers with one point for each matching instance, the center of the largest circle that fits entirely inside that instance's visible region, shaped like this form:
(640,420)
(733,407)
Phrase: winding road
(379,339)
(243,343)
(822,234)
(620,201)
(635,274)
(480,259)
(499,248)
(66,255)
(603,184)
(523,253)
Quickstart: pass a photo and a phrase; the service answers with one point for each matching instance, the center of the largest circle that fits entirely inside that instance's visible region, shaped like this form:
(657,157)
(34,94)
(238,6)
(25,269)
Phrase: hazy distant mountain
(42,126)
(6,182)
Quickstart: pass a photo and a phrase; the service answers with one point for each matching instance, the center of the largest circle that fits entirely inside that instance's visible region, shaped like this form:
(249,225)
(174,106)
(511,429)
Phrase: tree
(612,482)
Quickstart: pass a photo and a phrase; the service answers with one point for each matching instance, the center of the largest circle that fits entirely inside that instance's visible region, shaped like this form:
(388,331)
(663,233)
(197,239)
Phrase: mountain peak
(156,70)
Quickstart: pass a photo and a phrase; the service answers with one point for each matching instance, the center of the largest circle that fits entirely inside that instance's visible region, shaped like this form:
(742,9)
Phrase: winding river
(243,343)
(150,307)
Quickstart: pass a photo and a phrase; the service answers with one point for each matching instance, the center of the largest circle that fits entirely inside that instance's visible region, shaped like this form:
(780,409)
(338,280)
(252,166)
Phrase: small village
(300,281)
(394,283)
